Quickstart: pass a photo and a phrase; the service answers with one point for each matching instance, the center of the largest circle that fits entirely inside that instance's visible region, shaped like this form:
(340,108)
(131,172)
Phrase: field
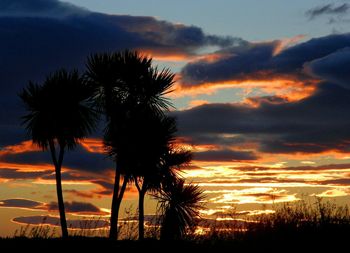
(297,227)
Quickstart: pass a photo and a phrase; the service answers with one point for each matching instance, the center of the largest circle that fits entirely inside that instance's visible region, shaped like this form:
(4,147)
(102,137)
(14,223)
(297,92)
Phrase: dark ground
(105,245)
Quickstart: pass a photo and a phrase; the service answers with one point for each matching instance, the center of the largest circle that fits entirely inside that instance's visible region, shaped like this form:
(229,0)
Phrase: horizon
(261,98)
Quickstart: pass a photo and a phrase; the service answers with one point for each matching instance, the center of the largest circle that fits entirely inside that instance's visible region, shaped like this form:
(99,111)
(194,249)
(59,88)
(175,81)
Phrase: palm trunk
(116,201)
(113,232)
(141,215)
(58,165)
(142,193)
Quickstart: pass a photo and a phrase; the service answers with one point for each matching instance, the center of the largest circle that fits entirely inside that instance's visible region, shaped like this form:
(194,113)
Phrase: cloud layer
(39,37)
(261,61)
(70,207)
(328,9)
(312,125)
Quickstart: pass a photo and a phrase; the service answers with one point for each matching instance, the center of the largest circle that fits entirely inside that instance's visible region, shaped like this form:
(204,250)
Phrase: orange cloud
(287,42)
(27,167)
(195,103)
(334,193)
(25,146)
(93,145)
(252,195)
(291,90)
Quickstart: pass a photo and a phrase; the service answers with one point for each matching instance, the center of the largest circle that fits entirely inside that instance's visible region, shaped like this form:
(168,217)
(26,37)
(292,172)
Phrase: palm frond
(60,109)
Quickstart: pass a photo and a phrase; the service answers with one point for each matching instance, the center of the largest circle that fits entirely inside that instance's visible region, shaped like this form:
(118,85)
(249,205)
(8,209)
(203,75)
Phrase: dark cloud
(106,187)
(78,159)
(15,174)
(340,182)
(54,221)
(70,207)
(45,8)
(333,67)
(328,9)
(38,37)
(68,176)
(258,61)
(225,155)
(173,37)
(76,207)
(103,187)
(236,63)
(257,101)
(315,124)
(81,194)
(23,203)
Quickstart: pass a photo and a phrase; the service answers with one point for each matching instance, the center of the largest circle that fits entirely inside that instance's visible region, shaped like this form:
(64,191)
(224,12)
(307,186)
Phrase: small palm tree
(180,205)
(156,158)
(59,116)
(156,178)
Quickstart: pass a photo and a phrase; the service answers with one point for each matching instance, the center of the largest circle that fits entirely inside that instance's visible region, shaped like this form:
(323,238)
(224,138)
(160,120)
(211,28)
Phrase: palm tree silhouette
(179,204)
(59,116)
(125,84)
(158,161)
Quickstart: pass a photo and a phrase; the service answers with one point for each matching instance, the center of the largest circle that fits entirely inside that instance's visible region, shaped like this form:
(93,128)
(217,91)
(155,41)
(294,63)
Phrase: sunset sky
(262,99)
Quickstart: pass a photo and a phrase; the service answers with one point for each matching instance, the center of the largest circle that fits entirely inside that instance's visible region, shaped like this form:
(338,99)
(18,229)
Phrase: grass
(299,227)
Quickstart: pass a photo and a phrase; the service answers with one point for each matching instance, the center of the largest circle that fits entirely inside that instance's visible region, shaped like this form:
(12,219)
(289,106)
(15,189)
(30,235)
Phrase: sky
(262,98)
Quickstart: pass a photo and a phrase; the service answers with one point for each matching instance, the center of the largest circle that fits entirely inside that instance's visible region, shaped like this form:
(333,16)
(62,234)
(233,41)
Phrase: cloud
(225,155)
(81,194)
(42,175)
(55,221)
(42,8)
(258,61)
(334,193)
(70,207)
(14,174)
(38,37)
(253,195)
(312,125)
(328,9)
(320,168)
(78,159)
(236,63)
(333,67)
(23,203)
(339,181)
(76,207)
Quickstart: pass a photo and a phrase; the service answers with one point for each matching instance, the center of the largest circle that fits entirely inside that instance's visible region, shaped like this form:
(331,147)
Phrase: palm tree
(180,205)
(59,116)
(125,84)
(162,174)
(159,161)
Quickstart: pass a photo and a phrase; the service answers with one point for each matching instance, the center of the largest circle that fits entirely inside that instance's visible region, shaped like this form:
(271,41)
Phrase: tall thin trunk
(113,232)
(58,165)
(142,191)
(116,201)
(141,214)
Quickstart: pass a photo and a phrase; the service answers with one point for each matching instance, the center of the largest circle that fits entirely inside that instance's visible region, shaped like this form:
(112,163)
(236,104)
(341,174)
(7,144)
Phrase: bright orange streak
(182,57)
(93,145)
(25,146)
(287,42)
(27,167)
(168,56)
(291,90)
